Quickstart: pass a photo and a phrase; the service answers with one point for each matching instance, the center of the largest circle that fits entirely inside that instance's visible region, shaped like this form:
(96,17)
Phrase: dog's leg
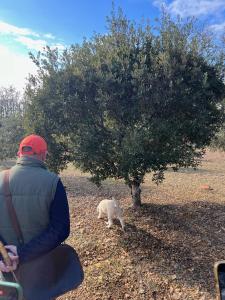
(110,223)
(100,214)
(122,222)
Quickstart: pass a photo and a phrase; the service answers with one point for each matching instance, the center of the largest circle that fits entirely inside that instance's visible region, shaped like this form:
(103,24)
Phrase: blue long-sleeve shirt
(57,231)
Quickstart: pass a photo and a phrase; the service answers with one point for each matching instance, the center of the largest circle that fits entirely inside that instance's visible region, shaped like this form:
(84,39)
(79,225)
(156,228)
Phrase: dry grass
(170,245)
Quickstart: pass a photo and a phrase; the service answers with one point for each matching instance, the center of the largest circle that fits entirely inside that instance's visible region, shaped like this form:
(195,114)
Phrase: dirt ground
(170,244)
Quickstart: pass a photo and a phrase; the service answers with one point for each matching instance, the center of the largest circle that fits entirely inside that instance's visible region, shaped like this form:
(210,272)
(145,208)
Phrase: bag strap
(11,209)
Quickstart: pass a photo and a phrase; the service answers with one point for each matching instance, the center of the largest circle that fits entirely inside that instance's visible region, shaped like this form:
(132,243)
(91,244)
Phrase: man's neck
(39,157)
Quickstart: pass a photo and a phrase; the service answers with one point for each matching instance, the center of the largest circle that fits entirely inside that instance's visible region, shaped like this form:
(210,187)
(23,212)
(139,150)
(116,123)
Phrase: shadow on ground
(182,241)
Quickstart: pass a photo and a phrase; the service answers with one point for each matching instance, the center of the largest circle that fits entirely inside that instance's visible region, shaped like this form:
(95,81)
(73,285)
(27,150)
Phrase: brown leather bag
(49,275)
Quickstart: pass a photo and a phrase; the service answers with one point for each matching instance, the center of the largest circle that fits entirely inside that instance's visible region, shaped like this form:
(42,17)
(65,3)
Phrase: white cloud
(188,8)
(218,27)
(6,28)
(28,38)
(38,45)
(49,36)
(159,3)
(14,68)
(30,43)
(196,8)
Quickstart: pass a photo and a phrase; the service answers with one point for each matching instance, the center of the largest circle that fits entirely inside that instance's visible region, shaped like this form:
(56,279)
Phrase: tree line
(11,121)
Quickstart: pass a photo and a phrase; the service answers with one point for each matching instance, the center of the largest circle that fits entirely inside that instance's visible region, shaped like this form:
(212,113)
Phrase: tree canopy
(128,102)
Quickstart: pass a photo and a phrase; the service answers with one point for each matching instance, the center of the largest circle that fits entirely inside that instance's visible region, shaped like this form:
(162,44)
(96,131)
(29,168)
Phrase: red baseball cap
(36,144)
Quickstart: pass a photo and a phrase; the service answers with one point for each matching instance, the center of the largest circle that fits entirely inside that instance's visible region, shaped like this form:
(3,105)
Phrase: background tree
(9,102)
(11,122)
(218,142)
(133,101)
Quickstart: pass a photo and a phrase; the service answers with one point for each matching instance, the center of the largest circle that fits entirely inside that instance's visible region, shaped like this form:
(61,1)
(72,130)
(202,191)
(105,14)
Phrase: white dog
(111,208)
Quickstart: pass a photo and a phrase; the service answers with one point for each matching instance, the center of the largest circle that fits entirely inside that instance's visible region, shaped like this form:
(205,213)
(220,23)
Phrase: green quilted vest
(33,188)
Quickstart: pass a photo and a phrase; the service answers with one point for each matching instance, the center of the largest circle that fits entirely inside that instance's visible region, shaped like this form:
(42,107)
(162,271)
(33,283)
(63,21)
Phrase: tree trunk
(136,194)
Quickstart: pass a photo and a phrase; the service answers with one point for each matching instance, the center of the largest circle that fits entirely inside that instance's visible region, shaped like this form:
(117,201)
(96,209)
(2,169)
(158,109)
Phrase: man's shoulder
(43,174)
(2,172)
(53,174)
(2,178)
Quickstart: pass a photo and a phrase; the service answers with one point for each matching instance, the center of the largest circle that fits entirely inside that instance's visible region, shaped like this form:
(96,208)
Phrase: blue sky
(28,25)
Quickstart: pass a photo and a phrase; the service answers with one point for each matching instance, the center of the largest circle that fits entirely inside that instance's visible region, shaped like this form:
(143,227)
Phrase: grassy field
(170,244)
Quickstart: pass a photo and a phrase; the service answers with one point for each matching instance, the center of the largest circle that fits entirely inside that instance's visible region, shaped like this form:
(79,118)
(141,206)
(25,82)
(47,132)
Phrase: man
(40,202)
